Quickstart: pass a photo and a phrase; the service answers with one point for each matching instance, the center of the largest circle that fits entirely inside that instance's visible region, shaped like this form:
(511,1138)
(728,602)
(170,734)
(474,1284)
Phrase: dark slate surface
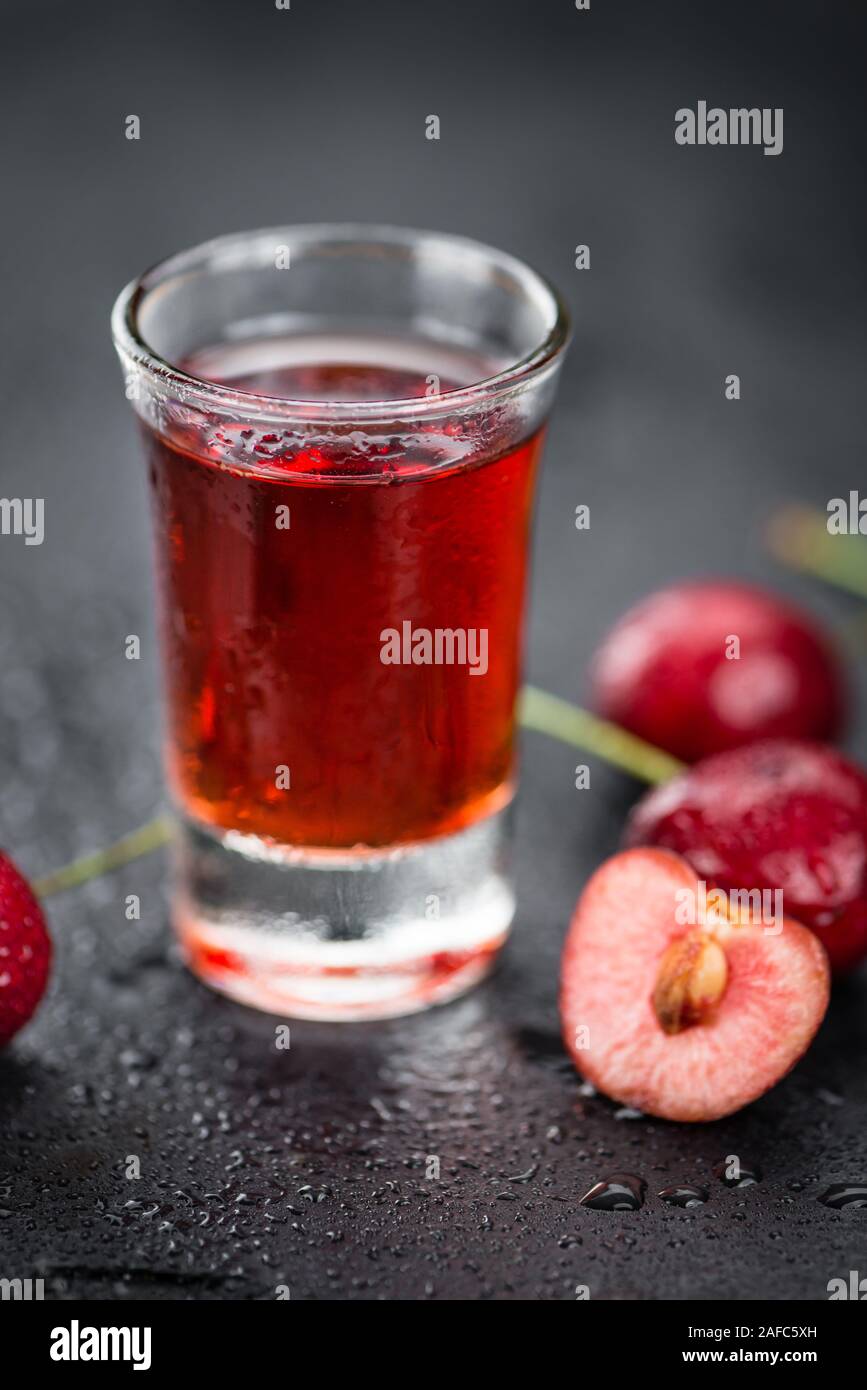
(306,1167)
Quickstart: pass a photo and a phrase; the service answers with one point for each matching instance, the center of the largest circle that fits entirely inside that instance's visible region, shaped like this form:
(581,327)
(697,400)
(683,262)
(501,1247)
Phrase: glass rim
(250,249)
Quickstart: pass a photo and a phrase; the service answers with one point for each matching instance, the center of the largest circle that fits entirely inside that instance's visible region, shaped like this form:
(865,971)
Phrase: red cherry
(776,815)
(672,672)
(688,1023)
(25,951)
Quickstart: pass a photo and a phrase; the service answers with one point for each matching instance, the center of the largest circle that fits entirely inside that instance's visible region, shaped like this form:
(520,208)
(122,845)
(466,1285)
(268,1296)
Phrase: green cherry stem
(798,537)
(548,714)
(537,710)
(142,841)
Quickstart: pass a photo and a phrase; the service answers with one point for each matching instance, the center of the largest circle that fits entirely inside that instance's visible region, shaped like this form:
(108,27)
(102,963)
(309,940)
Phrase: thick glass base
(343,935)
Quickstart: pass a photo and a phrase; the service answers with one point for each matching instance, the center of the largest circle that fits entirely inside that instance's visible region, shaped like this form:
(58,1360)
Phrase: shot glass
(342,425)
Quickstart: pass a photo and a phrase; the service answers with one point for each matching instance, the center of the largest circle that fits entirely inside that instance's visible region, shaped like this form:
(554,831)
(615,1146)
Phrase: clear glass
(342,426)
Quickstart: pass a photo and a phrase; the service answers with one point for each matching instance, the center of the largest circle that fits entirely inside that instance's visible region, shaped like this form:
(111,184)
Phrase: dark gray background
(557,128)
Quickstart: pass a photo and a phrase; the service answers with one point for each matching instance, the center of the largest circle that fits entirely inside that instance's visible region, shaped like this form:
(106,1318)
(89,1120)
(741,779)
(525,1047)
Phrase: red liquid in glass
(273,636)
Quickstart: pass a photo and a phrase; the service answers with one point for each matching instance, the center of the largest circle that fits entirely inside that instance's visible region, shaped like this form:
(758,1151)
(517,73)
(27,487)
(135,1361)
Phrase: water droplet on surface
(526,1176)
(737,1173)
(684,1195)
(845,1194)
(829,1097)
(617,1192)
